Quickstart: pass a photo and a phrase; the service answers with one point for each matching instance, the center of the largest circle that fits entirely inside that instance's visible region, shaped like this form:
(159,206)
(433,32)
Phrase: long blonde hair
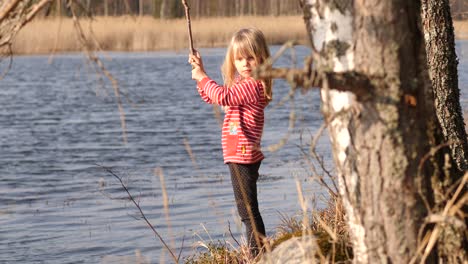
(248,42)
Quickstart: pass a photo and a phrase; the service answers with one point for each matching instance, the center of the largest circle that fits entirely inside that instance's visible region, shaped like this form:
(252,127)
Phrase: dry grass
(148,34)
(334,247)
(461,29)
(327,225)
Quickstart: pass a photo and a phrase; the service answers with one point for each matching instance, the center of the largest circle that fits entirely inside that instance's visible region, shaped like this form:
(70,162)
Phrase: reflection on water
(58,125)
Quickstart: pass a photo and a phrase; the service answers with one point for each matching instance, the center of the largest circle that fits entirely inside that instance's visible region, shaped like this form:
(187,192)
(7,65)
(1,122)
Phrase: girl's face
(244,65)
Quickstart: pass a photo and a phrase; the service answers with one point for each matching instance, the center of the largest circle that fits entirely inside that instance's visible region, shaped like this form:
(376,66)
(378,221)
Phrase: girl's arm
(203,94)
(239,94)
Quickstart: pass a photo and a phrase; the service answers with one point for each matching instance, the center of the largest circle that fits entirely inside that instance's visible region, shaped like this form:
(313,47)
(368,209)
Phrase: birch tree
(387,143)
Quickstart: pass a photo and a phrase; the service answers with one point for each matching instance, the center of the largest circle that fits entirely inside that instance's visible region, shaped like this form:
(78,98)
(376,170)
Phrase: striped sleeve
(202,93)
(243,93)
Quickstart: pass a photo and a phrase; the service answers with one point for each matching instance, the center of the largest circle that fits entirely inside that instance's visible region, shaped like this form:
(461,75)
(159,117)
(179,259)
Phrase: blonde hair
(248,42)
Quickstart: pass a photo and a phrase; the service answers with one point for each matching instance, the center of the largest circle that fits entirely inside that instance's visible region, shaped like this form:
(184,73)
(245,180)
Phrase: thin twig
(7,8)
(25,18)
(230,232)
(93,58)
(10,63)
(141,211)
(423,160)
(181,247)
(431,237)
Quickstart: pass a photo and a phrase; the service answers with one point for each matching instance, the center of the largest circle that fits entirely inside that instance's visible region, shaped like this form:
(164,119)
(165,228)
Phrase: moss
(285,237)
(341,249)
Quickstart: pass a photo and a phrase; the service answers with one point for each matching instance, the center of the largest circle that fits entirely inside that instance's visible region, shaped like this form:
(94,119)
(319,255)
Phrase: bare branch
(7,8)
(230,232)
(24,16)
(140,210)
(348,81)
(86,45)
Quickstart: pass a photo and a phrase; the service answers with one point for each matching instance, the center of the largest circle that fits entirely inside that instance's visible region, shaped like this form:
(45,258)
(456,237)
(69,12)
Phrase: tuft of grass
(219,253)
(336,249)
(332,220)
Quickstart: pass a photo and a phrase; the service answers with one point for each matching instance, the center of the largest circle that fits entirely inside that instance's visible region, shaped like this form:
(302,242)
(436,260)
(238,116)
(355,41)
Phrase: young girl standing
(244,99)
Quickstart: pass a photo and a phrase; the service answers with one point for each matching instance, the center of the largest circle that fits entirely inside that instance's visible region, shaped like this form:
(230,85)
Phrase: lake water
(59,123)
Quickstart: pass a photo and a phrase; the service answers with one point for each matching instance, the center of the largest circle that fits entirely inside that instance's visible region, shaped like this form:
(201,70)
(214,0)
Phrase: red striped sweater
(244,118)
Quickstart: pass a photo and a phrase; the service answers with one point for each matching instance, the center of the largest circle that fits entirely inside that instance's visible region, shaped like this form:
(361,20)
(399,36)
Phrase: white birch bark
(331,29)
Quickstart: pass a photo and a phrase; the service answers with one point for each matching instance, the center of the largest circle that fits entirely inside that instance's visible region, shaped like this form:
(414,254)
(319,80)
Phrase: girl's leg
(244,182)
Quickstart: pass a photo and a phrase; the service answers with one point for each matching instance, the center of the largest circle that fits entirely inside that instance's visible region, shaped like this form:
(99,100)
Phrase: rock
(297,250)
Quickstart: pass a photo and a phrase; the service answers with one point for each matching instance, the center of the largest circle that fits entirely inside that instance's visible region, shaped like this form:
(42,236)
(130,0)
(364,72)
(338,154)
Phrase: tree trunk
(442,62)
(157,7)
(380,142)
(164,9)
(274,8)
(442,65)
(58,7)
(140,8)
(106,8)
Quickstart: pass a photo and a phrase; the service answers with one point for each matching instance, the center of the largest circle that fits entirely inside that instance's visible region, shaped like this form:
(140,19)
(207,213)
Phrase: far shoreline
(146,34)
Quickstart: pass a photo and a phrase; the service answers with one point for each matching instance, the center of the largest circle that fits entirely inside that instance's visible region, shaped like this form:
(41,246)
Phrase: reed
(149,34)
(461,29)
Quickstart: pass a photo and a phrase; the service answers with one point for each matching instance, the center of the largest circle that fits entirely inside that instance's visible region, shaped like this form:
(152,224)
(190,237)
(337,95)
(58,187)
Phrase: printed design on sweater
(233,128)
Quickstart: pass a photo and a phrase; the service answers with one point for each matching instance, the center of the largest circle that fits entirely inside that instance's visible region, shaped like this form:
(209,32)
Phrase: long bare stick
(189,25)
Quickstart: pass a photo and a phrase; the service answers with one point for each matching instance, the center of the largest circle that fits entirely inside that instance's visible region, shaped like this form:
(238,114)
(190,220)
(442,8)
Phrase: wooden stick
(189,26)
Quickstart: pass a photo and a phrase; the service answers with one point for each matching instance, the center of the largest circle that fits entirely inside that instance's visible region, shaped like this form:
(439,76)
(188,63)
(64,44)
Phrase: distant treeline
(167,9)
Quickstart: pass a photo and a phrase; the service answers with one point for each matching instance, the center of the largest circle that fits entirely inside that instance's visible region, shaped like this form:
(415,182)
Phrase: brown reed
(149,34)
(461,29)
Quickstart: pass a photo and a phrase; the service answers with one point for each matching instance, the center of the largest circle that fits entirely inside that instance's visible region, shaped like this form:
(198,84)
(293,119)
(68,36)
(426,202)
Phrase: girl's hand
(198,71)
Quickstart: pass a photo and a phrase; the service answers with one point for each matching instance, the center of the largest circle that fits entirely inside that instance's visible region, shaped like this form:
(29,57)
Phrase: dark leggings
(244,182)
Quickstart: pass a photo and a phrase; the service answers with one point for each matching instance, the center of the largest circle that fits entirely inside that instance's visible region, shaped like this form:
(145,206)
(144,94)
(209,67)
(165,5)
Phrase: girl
(244,99)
